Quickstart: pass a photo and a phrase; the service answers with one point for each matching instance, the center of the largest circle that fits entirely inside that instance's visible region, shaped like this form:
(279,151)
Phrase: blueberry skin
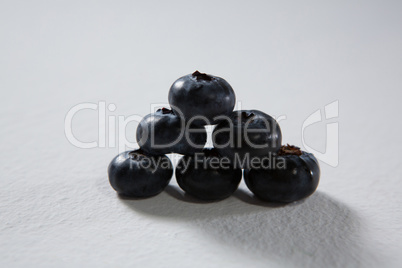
(167,128)
(299,179)
(244,124)
(209,183)
(202,95)
(136,174)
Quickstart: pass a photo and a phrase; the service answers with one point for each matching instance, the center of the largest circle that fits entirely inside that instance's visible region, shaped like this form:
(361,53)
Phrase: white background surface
(283,57)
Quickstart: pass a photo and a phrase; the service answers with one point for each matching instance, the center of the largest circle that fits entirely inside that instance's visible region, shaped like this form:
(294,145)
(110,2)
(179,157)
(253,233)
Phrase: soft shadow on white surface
(315,232)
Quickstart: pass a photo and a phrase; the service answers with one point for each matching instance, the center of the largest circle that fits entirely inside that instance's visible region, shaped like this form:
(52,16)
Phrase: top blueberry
(201,98)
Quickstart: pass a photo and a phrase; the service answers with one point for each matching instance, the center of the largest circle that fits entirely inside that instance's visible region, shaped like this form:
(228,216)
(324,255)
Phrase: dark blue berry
(200,94)
(137,174)
(206,176)
(294,176)
(247,134)
(163,132)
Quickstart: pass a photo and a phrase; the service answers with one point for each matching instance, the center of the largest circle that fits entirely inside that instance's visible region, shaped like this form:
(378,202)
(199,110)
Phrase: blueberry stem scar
(289,150)
(165,110)
(201,76)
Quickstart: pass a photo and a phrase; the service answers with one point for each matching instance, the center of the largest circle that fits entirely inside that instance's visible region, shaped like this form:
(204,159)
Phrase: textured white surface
(56,206)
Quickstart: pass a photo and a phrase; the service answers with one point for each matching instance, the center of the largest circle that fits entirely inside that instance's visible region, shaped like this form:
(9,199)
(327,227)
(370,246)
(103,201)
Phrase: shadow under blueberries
(316,232)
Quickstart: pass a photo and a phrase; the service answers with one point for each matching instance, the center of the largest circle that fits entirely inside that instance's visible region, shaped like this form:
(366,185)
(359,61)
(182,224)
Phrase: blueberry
(247,134)
(137,174)
(201,94)
(164,132)
(206,176)
(294,176)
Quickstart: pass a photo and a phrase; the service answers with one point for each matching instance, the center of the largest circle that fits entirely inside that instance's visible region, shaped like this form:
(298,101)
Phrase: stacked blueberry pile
(248,140)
